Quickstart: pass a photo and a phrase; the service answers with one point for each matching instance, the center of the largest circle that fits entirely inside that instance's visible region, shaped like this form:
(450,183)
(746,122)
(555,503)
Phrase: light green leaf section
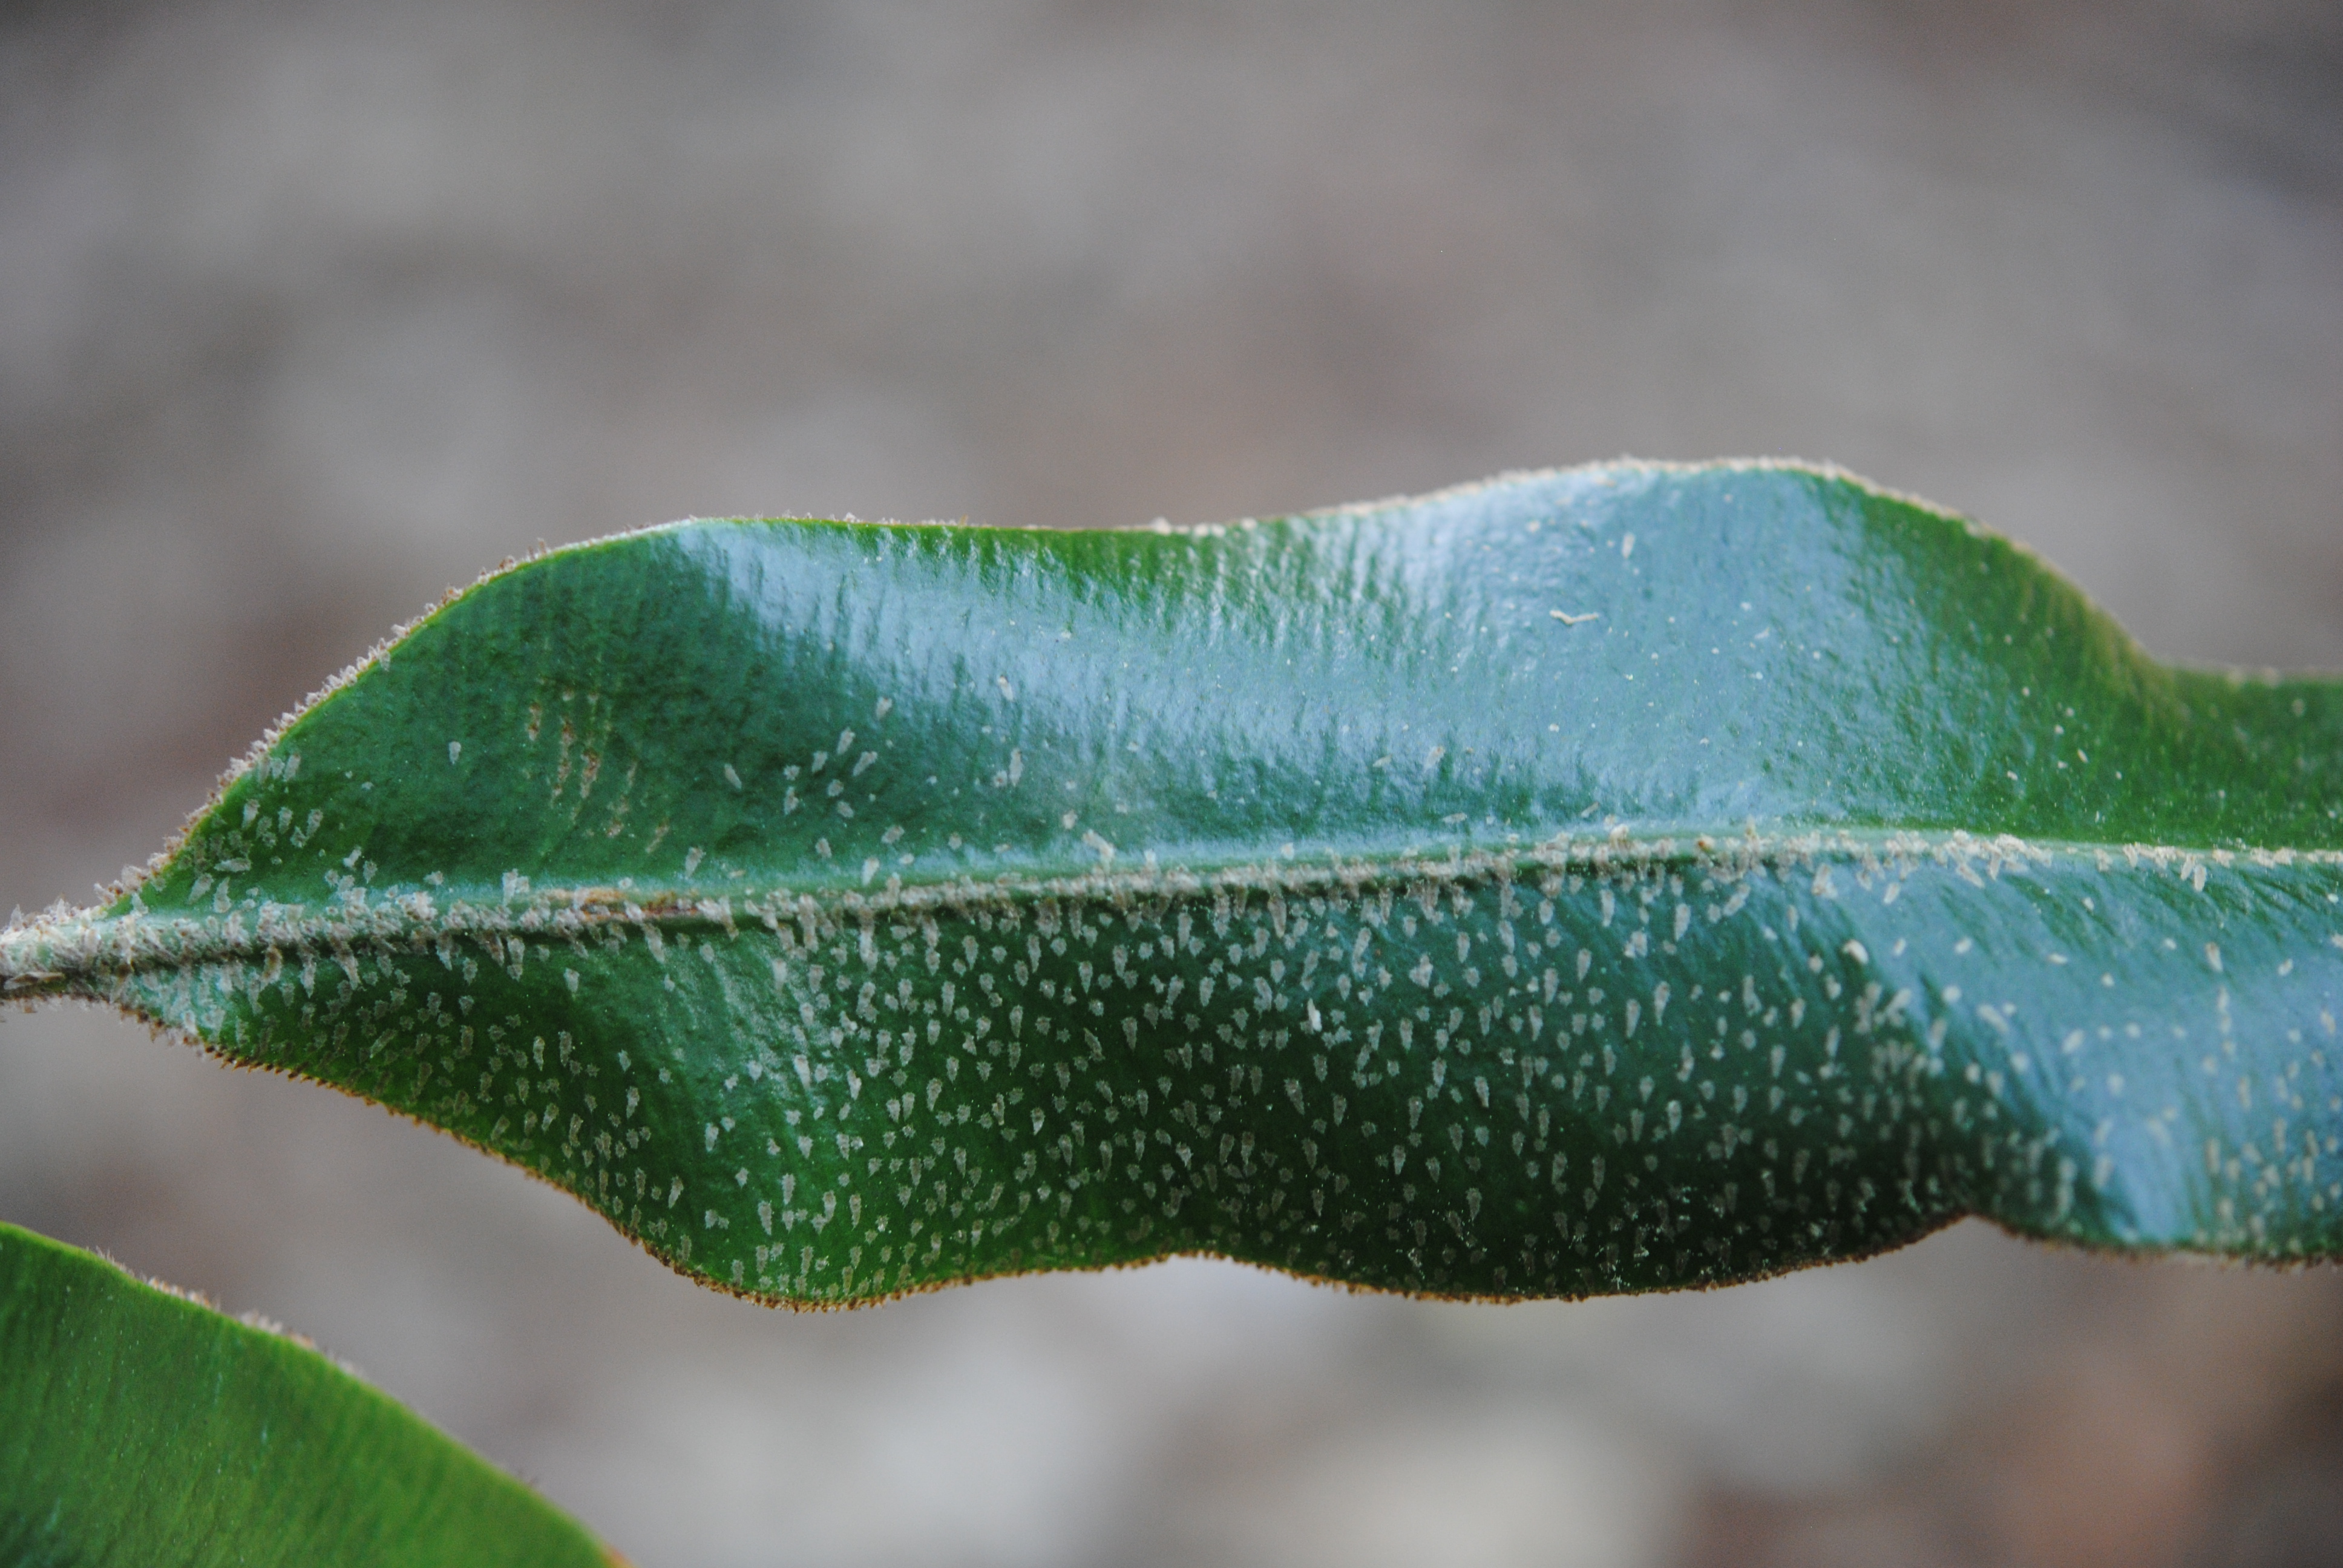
(140,1428)
(1609,879)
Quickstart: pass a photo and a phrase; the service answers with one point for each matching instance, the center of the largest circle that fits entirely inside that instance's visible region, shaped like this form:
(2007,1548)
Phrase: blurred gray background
(308,311)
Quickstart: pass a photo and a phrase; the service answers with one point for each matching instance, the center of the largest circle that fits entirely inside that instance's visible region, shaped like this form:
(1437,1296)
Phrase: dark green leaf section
(137,1427)
(1610,879)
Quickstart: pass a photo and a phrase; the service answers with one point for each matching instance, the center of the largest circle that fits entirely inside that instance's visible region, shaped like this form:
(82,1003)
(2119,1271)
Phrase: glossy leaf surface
(1609,879)
(142,1428)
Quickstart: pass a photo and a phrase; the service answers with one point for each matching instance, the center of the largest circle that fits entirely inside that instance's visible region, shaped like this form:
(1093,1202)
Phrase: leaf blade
(144,1427)
(800,870)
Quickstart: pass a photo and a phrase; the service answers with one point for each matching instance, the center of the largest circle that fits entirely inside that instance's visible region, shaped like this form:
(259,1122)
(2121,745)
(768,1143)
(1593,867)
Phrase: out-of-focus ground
(308,311)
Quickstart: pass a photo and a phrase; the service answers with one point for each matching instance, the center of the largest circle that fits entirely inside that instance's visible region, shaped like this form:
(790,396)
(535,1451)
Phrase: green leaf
(1611,879)
(142,1428)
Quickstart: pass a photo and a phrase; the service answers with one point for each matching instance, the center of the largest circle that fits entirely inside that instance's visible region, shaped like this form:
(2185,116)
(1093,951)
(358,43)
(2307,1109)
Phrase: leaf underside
(144,1428)
(1611,879)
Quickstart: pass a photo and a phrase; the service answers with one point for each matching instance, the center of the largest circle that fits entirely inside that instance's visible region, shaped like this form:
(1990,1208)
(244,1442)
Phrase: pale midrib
(87,953)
